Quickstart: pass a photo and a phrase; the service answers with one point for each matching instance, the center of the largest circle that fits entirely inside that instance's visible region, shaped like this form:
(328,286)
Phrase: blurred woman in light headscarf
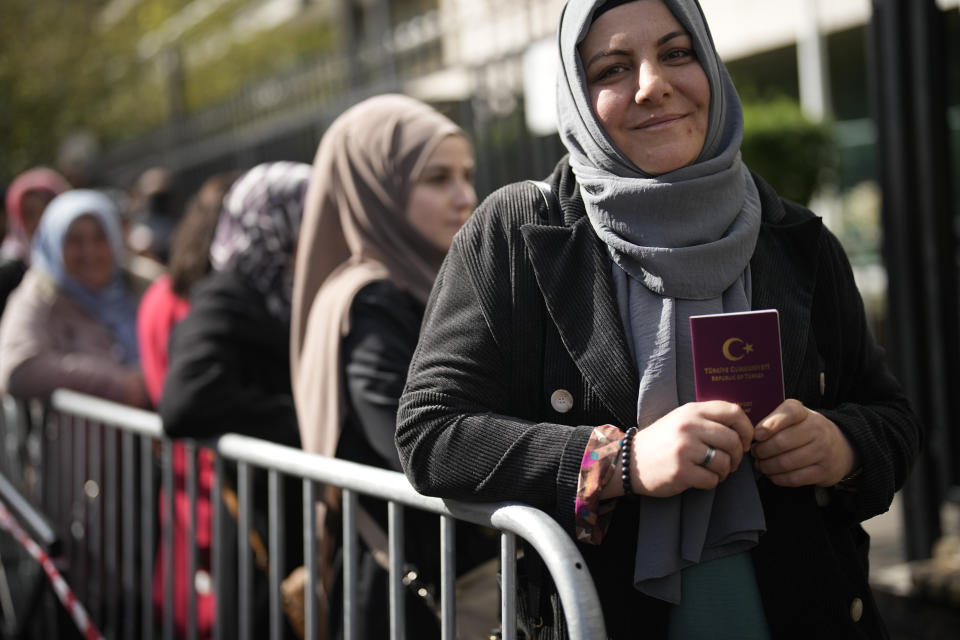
(71,322)
(27,197)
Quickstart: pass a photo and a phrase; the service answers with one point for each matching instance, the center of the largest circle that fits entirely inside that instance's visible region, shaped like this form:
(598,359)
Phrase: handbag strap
(549,198)
(535,567)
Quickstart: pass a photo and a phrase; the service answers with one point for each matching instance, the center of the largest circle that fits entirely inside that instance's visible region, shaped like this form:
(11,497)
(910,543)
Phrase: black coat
(524,305)
(229,367)
(230,373)
(375,355)
(11,273)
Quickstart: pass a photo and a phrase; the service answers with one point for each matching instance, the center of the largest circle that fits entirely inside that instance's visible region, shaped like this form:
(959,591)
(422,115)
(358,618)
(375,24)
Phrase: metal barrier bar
(65,465)
(245,567)
(558,551)
(111,499)
(350,555)
(448,581)
(78,527)
(166,480)
(217,551)
(49,491)
(508,599)
(129,533)
(189,452)
(32,521)
(276,555)
(92,507)
(310,557)
(146,538)
(398,618)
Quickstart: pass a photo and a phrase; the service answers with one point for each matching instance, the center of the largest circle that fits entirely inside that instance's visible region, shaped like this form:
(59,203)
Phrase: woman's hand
(797,447)
(666,456)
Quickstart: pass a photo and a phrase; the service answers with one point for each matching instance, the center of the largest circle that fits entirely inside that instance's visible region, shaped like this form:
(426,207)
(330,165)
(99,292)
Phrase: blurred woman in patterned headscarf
(229,368)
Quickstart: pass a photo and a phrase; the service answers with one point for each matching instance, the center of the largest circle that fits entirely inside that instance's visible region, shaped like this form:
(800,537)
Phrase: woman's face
(87,255)
(443,196)
(647,87)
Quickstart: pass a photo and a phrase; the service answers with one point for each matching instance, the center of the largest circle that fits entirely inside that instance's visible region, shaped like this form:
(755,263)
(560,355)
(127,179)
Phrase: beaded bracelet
(625,445)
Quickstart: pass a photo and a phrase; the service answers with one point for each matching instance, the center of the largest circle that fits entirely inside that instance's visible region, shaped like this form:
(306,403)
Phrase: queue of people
(536,350)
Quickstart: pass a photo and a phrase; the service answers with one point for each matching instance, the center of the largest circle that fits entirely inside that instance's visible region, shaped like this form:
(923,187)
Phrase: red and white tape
(60,587)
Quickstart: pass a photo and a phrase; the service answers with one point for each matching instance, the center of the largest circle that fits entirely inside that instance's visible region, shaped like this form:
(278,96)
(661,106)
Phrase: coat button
(823,383)
(561,400)
(856,609)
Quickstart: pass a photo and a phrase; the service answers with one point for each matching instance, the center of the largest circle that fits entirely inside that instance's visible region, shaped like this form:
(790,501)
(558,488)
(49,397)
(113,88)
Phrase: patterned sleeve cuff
(598,467)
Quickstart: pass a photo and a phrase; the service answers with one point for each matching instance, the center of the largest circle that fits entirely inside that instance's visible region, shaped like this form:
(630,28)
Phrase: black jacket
(375,355)
(11,273)
(229,367)
(524,305)
(230,373)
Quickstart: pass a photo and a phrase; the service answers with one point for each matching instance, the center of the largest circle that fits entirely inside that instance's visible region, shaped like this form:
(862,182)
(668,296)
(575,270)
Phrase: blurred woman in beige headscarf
(391,185)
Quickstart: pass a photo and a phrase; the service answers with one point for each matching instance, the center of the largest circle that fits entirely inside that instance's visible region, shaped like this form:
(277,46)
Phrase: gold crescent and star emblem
(747,348)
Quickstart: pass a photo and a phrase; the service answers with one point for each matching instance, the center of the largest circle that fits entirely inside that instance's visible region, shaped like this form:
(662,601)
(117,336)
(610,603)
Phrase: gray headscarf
(681,244)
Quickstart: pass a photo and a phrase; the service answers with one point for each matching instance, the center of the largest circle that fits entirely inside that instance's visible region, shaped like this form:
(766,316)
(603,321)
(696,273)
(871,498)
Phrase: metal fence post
(909,78)
(396,542)
(310,557)
(245,560)
(276,555)
(189,451)
(147,538)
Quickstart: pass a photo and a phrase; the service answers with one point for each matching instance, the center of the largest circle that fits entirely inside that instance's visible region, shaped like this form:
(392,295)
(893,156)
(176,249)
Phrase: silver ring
(709,456)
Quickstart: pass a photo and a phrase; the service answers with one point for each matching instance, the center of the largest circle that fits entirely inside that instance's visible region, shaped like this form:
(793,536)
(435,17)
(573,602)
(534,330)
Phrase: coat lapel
(783,275)
(573,274)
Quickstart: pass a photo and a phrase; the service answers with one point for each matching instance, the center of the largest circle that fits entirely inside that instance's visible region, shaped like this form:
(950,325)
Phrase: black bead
(625,447)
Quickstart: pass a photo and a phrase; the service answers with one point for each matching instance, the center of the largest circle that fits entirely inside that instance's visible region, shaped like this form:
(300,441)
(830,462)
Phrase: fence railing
(466,59)
(97,466)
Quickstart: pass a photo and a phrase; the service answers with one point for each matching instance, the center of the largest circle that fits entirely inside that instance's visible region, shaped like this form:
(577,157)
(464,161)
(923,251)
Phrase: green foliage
(271,52)
(789,151)
(63,68)
(39,76)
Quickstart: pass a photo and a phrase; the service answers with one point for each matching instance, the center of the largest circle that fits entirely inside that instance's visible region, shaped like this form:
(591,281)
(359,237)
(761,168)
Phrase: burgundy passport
(736,357)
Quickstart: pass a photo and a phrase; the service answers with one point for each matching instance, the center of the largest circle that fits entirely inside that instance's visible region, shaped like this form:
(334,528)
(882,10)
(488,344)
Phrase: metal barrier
(99,462)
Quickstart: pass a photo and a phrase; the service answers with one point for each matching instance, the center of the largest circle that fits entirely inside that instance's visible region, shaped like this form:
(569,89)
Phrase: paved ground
(908,616)
(886,538)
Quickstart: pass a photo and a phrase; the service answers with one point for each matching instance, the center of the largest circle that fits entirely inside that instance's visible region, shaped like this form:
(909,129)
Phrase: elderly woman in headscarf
(391,186)
(71,322)
(229,368)
(555,365)
(27,197)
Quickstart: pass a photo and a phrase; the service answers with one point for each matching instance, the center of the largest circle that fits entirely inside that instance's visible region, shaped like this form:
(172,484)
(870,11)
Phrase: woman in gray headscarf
(555,365)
